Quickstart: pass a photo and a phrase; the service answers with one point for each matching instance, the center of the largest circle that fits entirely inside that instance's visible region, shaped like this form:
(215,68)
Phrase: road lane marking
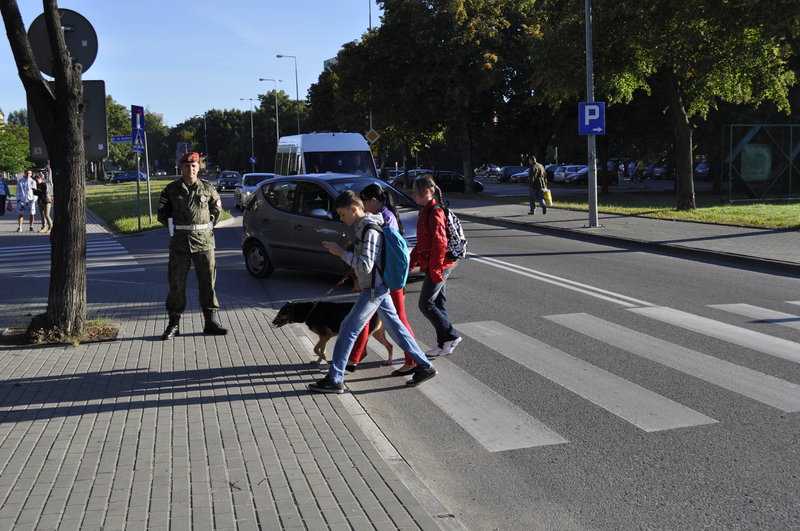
(767,389)
(618,298)
(774,346)
(488,417)
(627,400)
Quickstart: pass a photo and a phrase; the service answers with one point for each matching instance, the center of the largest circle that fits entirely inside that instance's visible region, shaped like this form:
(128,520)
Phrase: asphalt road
(596,387)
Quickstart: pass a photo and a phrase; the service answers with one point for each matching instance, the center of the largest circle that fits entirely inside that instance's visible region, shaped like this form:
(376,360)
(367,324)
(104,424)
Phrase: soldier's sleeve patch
(219,203)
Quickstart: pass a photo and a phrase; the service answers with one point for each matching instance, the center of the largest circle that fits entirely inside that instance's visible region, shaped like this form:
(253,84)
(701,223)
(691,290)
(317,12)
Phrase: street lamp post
(296,87)
(252,144)
(277,127)
(205,130)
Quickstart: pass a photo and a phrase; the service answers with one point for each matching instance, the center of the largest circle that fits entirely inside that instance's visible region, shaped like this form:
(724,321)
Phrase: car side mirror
(321,213)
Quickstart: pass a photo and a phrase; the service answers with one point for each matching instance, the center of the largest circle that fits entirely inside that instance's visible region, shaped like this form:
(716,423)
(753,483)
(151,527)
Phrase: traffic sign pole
(591,146)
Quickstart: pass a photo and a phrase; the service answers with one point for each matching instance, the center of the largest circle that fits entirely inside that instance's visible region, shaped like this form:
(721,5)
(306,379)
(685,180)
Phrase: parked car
(450,181)
(160,173)
(507,171)
(127,177)
(561,174)
(702,171)
(661,171)
(520,177)
(228,180)
(579,177)
(487,170)
(287,219)
(551,169)
(406,179)
(647,172)
(246,186)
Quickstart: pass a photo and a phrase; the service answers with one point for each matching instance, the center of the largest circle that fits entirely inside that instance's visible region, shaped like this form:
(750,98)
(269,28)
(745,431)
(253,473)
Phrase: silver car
(246,186)
(287,218)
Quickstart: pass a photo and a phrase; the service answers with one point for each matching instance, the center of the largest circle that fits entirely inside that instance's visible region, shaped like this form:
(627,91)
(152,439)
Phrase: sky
(181,58)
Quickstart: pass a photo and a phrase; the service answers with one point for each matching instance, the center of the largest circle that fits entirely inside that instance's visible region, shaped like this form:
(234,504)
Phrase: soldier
(190,206)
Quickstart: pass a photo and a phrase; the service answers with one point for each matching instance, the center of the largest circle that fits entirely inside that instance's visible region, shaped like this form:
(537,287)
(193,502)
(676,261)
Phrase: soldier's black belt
(204,226)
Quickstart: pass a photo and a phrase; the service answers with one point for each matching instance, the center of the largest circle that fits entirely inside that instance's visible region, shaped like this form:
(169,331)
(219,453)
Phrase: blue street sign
(137,128)
(252,160)
(592,118)
(121,139)
(137,144)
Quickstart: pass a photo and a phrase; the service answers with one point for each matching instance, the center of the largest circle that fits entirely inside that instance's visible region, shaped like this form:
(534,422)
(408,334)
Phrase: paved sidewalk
(747,245)
(201,432)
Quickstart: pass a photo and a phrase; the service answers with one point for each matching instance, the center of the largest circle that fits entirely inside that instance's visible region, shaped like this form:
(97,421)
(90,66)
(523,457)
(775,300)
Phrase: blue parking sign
(592,118)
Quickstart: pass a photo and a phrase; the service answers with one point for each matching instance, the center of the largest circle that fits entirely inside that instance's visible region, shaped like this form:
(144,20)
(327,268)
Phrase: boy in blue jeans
(366,253)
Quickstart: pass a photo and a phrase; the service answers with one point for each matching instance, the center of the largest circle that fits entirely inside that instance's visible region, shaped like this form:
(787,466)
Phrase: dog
(324,319)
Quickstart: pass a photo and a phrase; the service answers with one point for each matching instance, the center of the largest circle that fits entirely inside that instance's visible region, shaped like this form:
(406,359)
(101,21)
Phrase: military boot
(212,326)
(173,328)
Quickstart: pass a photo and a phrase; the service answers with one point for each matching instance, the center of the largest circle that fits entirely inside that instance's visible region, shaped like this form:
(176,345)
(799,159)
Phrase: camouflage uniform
(190,206)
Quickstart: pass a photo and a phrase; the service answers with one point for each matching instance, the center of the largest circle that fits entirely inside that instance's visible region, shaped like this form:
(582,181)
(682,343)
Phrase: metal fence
(761,162)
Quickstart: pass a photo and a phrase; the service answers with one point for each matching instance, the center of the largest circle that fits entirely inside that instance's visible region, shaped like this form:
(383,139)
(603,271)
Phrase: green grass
(116,204)
(769,215)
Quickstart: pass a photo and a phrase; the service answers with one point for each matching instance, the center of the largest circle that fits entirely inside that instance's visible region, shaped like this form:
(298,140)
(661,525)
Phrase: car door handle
(298,227)
(265,221)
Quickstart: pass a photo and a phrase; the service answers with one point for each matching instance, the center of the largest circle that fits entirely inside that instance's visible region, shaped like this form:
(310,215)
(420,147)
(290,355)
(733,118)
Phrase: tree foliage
(19,117)
(13,148)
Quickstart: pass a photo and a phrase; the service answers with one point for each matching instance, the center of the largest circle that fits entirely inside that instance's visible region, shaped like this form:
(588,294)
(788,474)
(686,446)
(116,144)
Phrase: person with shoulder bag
(537,184)
(430,254)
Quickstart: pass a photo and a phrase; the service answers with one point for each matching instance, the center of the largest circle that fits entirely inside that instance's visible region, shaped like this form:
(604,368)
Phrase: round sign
(79,36)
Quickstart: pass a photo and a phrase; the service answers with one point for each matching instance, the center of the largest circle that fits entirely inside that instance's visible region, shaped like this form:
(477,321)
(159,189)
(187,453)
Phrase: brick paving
(200,432)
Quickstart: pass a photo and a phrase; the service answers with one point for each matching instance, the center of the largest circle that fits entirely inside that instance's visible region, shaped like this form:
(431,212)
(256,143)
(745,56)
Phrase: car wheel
(257,261)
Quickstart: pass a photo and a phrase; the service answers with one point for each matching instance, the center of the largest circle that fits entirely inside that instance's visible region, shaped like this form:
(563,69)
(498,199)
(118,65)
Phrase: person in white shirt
(26,199)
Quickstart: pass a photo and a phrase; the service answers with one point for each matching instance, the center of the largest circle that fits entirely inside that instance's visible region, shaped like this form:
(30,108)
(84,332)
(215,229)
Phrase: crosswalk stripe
(629,401)
(764,315)
(767,389)
(488,417)
(774,346)
(102,255)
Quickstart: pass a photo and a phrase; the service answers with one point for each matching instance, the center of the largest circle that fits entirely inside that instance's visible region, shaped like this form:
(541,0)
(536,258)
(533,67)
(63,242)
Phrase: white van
(324,153)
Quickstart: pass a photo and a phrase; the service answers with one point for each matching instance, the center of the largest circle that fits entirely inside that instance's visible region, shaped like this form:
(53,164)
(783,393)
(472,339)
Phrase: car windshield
(359,162)
(252,180)
(400,199)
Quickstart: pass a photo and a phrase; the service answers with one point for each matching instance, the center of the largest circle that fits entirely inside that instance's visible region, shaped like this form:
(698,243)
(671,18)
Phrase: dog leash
(339,283)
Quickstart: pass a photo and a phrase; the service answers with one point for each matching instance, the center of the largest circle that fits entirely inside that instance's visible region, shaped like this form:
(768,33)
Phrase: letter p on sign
(592,118)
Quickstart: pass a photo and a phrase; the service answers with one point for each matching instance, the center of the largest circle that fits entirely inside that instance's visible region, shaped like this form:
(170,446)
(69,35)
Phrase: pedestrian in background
(430,254)
(189,207)
(537,183)
(377,201)
(374,297)
(5,193)
(44,191)
(26,199)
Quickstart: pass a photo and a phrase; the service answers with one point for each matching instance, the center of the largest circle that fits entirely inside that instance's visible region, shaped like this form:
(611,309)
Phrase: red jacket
(431,248)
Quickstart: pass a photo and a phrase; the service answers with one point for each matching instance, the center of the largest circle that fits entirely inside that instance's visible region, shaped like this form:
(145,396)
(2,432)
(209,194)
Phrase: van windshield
(356,162)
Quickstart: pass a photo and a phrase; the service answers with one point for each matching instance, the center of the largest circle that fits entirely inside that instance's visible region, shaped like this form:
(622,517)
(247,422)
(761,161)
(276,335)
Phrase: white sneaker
(450,346)
(432,353)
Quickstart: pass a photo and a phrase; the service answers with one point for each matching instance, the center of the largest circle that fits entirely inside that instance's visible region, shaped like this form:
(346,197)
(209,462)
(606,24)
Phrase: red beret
(192,156)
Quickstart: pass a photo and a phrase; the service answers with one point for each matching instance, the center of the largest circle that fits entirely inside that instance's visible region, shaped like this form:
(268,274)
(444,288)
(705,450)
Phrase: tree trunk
(682,130)
(60,117)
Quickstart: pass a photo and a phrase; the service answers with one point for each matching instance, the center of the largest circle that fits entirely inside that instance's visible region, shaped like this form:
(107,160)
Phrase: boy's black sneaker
(351,367)
(420,375)
(326,386)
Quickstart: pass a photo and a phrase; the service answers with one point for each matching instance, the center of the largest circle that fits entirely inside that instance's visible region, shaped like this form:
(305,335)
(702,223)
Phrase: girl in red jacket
(430,253)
